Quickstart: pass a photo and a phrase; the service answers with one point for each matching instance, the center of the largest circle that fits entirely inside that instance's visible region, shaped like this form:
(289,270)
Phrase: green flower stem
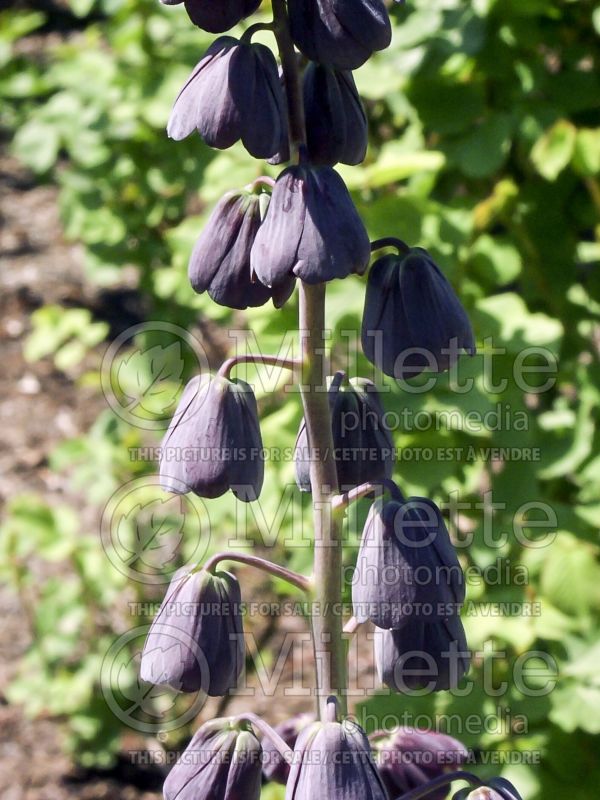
(291,76)
(282,748)
(247,35)
(226,367)
(390,241)
(260,183)
(328,637)
(330,648)
(294,578)
(341,501)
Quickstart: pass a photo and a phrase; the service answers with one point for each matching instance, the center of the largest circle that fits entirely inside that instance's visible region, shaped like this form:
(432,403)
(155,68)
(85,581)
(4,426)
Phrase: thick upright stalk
(327,624)
(291,76)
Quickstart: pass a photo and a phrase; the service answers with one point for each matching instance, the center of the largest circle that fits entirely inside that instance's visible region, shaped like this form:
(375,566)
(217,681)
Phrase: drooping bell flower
(341,33)
(220,261)
(377,441)
(275,768)
(216,16)
(195,642)
(422,655)
(407,758)
(213,443)
(412,318)
(222,762)
(406,567)
(233,93)
(333,760)
(495,789)
(284,154)
(312,230)
(336,123)
(363,448)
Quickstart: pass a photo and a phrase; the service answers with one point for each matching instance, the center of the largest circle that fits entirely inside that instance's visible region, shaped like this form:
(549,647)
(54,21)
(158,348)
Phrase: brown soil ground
(39,406)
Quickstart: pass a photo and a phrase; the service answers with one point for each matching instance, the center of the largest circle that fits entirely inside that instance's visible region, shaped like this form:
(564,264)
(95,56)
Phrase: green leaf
(554,150)
(571,576)
(496,259)
(483,151)
(575,705)
(37,144)
(394,164)
(66,333)
(508,316)
(586,158)
(82,8)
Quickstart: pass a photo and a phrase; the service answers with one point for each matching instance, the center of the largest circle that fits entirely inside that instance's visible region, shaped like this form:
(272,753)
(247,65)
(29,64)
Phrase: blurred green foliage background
(485,149)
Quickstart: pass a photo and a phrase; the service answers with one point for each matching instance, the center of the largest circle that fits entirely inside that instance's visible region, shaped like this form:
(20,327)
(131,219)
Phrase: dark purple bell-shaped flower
(377,441)
(216,16)
(342,33)
(407,758)
(222,762)
(213,443)
(220,261)
(406,567)
(275,768)
(412,318)
(336,123)
(196,641)
(333,760)
(233,93)
(422,655)
(312,230)
(363,447)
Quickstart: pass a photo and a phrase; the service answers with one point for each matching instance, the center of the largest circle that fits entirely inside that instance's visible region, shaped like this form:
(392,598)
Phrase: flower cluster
(408,758)
(257,245)
(409,583)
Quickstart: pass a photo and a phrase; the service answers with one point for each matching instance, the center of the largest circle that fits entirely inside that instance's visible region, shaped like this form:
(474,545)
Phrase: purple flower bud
(213,443)
(422,655)
(496,789)
(196,641)
(482,793)
(312,230)
(233,93)
(274,767)
(216,16)
(336,123)
(362,444)
(220,262)
(407,759)
(406,567)
(342,33)
(222,762)
(333,760)
(412,319)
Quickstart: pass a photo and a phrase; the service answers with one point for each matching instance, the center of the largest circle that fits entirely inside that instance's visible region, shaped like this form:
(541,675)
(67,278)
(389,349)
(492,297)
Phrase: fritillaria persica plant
(263,242)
